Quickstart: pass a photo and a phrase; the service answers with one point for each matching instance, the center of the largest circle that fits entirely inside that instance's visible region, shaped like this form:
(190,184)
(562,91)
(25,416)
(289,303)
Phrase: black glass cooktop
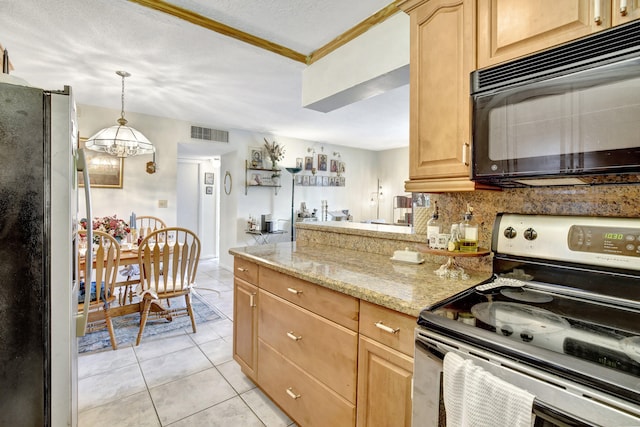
(599,332)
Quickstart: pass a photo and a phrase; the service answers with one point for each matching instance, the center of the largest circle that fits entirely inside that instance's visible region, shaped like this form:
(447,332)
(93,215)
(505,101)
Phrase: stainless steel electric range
(560,318)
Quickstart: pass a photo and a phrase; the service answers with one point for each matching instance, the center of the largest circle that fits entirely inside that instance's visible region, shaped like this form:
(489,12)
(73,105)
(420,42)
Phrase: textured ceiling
(183,71)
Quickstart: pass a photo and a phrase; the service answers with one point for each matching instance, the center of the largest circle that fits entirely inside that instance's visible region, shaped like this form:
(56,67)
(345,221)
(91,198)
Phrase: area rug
(126,327)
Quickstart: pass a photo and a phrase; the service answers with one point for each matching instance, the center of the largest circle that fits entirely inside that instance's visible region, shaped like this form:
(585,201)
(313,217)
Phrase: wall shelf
(260,177)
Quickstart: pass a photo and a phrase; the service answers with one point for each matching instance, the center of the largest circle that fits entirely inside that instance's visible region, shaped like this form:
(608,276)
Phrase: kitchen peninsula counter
(371,277)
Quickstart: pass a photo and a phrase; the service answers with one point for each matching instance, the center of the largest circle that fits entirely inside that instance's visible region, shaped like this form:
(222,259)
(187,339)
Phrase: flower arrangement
(109,224)
(275,152)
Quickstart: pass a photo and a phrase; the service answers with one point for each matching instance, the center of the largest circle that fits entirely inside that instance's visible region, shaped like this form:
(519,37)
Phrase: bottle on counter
(468,230)
(434,227)
(454,240)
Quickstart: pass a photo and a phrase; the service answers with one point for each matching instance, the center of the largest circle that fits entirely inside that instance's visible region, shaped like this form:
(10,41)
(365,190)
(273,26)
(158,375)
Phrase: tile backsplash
(603,200)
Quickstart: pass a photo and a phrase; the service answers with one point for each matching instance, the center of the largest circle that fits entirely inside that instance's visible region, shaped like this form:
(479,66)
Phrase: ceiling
(184,71)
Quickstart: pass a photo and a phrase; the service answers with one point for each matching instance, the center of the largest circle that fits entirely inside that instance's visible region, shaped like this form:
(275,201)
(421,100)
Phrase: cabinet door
(245,326)
(442,57)
(625,11)
(384,386)
(508,29)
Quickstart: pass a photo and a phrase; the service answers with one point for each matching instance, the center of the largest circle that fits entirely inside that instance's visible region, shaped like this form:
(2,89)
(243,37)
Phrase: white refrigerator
(38,219)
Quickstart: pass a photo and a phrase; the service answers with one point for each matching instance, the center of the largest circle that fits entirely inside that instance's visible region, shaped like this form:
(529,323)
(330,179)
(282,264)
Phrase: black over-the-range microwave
(566,115)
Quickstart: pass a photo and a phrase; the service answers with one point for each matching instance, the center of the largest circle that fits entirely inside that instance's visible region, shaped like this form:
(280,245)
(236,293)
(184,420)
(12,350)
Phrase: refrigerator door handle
(82,319)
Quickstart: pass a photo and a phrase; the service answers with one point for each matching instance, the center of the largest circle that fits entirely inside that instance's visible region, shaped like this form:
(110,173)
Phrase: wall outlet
(163,204)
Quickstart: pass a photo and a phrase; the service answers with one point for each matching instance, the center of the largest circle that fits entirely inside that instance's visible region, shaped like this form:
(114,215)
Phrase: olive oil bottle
(468,232)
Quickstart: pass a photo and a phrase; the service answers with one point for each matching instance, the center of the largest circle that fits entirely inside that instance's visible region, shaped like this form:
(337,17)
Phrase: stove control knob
(506,330)
(530,234)
(526,336)
(510,232)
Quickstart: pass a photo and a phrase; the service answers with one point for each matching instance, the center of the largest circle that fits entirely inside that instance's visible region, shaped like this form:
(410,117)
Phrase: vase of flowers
(112,225)
(275,152)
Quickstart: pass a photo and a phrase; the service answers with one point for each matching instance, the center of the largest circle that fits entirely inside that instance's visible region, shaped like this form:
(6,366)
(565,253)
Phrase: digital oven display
(604,240)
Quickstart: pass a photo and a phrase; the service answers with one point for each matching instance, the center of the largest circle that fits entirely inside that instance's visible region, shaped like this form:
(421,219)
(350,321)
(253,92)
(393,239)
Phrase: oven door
(558,402)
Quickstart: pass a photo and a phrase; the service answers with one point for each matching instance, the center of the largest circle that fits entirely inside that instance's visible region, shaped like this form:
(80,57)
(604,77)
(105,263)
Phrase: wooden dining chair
(168,261)
(147,224)
(105,273)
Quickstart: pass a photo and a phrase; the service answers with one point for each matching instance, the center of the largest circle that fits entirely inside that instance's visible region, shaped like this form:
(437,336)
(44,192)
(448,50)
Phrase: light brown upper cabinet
(624,11)
(508,29)
(442,57)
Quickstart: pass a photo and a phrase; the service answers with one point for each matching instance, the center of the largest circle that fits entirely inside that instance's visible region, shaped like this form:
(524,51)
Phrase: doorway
(197,201)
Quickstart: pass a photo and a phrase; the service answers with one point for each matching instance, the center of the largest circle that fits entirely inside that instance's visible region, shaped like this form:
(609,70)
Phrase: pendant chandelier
(120,140)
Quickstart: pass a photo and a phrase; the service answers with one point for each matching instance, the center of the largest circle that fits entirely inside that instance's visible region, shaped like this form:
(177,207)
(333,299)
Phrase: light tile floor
(178,379)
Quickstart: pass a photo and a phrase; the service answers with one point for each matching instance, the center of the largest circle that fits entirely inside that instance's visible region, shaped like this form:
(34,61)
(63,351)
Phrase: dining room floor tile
(177,379)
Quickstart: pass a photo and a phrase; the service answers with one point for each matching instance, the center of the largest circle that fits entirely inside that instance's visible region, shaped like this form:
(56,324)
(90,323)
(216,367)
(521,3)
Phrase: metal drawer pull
(252,300)
(293,337)
(292,394)
(596,12)
(465,148)
(242,269)
(294,291)
(386,328)
(623,7)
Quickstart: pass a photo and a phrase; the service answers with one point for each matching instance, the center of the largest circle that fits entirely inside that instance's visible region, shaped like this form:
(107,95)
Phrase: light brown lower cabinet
(245,326)
(308,401)
(325,358)
(384,385)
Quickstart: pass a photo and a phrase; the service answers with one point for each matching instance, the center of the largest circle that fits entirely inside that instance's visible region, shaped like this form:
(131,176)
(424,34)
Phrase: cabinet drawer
(323,349)
(341,308)
(375,322)
(245,270)
(305,399)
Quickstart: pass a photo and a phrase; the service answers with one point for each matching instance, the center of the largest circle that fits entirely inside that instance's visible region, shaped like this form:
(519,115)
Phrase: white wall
(141,191)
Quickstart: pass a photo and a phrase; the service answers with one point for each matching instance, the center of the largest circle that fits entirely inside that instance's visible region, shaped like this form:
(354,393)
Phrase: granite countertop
(406,288)
(386,231)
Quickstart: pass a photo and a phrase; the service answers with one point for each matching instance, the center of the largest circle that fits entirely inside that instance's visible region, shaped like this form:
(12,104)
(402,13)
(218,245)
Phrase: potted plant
(275,152)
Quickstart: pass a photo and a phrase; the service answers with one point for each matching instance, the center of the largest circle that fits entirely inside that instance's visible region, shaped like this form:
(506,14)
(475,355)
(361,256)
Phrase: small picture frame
(208,178)
(325,181)
(342,167)
(256,157)
(308,163)
(209,189)
(299,162)
(312,180)
(298,179)
(334,165)
(305,180)
(322,162)
(256,179)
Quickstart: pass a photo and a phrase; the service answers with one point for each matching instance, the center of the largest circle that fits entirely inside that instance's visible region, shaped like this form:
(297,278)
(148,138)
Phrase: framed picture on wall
(105,170)
(334,165)
(308,163)
(299,162)
(322,162)
(255,157)
(208,178)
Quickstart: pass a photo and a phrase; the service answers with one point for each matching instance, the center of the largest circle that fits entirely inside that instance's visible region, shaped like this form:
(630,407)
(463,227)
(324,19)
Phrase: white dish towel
(474,397)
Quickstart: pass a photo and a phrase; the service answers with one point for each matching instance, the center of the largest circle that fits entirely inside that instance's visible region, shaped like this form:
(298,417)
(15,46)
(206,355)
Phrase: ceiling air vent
(208,134)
